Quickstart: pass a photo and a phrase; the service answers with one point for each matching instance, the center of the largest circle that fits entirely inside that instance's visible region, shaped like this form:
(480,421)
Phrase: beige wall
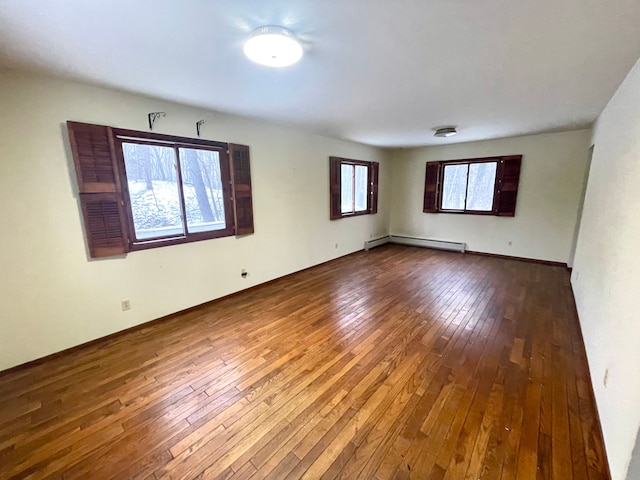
(49,288)
(548,196)
(606,275)
(53,297)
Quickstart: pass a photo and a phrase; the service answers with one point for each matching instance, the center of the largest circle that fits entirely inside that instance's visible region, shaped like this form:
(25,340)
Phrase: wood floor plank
(398,363)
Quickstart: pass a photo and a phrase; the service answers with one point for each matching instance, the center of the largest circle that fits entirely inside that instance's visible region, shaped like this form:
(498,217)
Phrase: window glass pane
(153,190)
(346,203)
(482,177)
(454,187)
(202,189)
(361,187)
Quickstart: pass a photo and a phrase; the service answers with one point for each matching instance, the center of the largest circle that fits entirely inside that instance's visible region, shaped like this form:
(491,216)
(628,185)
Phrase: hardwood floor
(395,363)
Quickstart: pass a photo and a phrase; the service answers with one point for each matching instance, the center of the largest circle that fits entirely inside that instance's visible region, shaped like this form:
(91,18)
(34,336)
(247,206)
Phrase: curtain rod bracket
(153,116)
(199,126)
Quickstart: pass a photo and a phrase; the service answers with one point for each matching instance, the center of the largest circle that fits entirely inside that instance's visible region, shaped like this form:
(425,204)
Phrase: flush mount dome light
(273,46)
(446,132)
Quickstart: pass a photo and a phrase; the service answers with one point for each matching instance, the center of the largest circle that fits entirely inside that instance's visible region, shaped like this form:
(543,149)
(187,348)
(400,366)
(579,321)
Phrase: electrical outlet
(605,379)
(336,245)
(510,243)
(126,305)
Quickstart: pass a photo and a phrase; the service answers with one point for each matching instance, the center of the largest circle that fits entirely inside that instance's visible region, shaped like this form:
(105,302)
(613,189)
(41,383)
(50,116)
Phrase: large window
(482,186)
(469,186)
(353,187)
(175,191)
(143,190)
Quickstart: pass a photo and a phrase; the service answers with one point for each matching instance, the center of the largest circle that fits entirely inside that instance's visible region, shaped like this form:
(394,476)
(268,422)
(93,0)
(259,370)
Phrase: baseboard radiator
(427,243)
(369,244)
(416,242)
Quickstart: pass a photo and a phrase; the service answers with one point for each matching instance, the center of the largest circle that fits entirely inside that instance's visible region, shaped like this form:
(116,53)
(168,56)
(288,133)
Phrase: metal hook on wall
(199,126)
(153,116)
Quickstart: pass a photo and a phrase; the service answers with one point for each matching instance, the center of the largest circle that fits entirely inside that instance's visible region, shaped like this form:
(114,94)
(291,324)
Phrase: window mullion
(466,189)
(183,209)
(353,189)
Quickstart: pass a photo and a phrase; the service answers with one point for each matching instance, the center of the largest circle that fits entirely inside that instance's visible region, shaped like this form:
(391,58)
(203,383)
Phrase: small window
(354,187)
(144,190)
(483,186)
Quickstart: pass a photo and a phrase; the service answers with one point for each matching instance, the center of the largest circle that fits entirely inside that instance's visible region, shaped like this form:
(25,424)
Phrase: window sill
(194,237)
(355,214)
(468,212)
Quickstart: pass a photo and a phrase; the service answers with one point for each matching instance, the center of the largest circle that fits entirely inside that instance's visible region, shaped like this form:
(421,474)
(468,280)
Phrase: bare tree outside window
(473,186)
(361,188)
(469,187)
(454,187)
(346,203)
(202,189)
(482,179)
(353,187)
(154,190)
(141,190)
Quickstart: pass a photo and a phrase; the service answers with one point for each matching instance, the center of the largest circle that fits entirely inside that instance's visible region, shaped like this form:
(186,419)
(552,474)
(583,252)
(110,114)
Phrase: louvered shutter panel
(94,157)
(507,180)
(432,187)
(241,182)
(102,213)
(335,192)
(373,181)
(93,147)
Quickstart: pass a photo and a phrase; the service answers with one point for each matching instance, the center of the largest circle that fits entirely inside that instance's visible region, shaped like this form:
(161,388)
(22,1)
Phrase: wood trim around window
(335,187)
(179,142)
(505,186)
(104,196)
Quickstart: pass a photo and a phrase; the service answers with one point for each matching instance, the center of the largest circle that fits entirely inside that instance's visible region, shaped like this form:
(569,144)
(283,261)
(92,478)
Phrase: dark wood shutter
(335,191)
(373,181)
(99,186)
(432,187)
(93,147)
(102,213)
(507,180)
(241,183)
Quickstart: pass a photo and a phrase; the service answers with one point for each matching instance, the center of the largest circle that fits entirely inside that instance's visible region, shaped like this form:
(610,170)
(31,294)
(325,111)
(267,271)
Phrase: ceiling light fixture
(446,132)
(273,46)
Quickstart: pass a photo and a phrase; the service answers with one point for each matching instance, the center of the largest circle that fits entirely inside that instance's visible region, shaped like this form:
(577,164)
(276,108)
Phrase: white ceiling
(381,72)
